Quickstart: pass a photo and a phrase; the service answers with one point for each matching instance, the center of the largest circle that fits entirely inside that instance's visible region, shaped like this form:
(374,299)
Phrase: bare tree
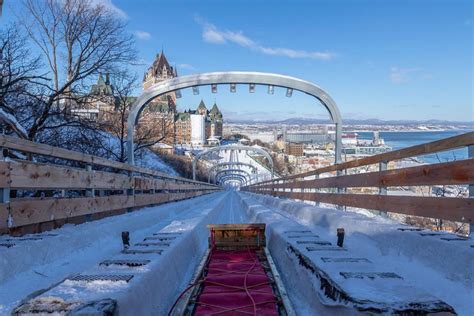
(18,74)
(77,40)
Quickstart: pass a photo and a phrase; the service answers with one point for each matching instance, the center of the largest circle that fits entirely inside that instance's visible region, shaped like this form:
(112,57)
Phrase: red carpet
(236,284)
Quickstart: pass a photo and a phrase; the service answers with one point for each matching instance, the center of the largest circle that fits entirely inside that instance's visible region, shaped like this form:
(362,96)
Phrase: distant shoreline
(409,131)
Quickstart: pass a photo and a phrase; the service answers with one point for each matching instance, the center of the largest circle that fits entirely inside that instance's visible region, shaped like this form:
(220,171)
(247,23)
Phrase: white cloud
(142,35)
(186,66)
(401,75)
(211,34)
(108,4)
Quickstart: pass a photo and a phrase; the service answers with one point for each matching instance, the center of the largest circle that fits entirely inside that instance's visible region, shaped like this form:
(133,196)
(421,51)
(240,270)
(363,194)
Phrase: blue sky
(377,59)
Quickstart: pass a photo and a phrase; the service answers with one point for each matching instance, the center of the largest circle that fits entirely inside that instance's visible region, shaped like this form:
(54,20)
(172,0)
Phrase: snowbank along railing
(72,187)
(309,185)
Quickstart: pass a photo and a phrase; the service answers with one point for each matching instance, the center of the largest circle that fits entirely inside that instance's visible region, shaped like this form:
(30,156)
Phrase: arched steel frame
(233,171)
(229,163)
(208,151)
(242,179)
(258,78)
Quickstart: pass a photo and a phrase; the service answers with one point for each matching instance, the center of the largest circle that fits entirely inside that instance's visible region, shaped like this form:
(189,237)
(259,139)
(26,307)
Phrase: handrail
(56,152)
(445,173)
(58,194)
(454,142)
(456,208)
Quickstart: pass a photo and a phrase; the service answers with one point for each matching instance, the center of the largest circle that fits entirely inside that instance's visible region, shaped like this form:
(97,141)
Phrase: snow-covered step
(345,281)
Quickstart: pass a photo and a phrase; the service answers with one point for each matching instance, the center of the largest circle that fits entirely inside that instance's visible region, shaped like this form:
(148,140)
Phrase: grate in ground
(303,236)
(454,238)
(313,242)
(370,275)
(159,238)
(147,244)
(327,248)
(344,260)
(167,234)
(410,229)
(102,277)
(125,262)
(430,234)
(141,251)
(24,239)
(297,231)
(7,244)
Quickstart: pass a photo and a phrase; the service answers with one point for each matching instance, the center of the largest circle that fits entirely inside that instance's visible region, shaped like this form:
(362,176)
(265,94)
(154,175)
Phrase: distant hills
(310,121)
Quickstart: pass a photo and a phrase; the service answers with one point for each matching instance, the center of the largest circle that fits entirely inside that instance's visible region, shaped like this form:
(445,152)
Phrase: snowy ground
(432,266)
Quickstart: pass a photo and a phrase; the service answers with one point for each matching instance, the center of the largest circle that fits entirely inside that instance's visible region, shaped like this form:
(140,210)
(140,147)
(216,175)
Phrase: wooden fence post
(470,154)
(90,192)
(316,176)
(383,190)
(340,190)
(5,192)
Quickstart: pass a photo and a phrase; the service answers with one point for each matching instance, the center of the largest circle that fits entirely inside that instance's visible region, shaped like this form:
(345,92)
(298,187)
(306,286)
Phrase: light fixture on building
(271,89)
(196,90)
(252,87)
(214,88)
(233,87)
(178,94)
(289,92)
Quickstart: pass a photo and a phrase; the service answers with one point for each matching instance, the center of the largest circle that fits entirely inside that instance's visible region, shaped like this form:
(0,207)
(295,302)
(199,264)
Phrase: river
(398,140)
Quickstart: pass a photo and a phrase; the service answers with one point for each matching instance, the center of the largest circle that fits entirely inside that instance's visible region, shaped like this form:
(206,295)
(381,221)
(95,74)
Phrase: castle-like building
(160,118)
(197,127)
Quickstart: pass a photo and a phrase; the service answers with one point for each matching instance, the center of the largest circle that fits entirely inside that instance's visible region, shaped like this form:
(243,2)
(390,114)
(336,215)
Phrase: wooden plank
(27,146)
(4,174)
(237,235)
(111,181)
(453,209)
(43,176)
(449,173)
(150,199)
(3,218)
(30,211)
(141,183)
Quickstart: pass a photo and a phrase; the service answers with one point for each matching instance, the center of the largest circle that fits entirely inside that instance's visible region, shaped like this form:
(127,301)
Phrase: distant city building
(307,137)
(100,103)
(198,129)
(294,149)
(352,145)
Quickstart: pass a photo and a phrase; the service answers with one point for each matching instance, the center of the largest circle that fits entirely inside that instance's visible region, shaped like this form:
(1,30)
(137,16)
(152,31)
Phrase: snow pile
(13,123)
(149,159)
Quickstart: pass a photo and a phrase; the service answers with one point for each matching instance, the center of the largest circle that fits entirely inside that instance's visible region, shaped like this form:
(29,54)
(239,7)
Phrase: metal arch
(234,176)
(277,80)
(232,171)
(231,147)
(230,163)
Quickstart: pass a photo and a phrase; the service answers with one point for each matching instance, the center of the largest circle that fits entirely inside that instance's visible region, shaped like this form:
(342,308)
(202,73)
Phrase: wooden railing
(308,185)
(38,196)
